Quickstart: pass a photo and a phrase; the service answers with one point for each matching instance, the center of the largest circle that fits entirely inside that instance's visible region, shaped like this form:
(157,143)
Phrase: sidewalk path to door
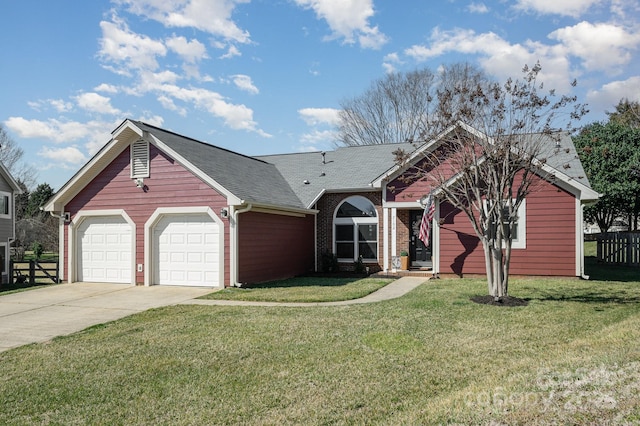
(395,289)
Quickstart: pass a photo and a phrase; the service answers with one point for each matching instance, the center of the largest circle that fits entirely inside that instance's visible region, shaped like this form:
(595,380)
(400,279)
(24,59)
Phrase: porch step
(413,272)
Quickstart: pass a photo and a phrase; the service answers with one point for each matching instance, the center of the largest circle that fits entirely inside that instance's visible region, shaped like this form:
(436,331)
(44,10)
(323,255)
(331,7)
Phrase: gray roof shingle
(246,177)
(563,157)
(346,168)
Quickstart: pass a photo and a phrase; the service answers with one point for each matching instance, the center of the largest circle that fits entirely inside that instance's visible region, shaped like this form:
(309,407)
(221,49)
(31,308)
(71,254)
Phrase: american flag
(427,217)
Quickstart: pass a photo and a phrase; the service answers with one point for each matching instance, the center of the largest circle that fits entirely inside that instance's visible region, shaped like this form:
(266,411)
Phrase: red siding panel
(169,185)
(274,246)
(551,237)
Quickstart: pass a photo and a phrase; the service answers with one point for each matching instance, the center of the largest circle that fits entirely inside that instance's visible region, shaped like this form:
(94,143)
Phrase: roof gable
(558,159)
(8,178)
(240,178)
(246,178)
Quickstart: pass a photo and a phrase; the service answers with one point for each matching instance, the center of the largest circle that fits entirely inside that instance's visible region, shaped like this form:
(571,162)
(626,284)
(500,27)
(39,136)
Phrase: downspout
(236,248)
(61,220)
(582,274)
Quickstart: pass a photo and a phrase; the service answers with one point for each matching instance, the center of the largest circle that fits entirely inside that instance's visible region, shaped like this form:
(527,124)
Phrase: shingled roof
(349,168)
(248,178)
(299,179)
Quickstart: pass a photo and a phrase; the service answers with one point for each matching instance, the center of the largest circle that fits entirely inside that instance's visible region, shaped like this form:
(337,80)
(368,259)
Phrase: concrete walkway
(393,290)
(39,315)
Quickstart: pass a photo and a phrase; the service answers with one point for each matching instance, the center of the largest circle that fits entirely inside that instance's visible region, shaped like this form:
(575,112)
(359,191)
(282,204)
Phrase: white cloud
(154,120)
(96,103)
(500,58)
(57,104)
(318,137)
(32,128)
(319,119)
(168,103)
(477,8)
(70,154)
(390,61)
(190,51)
(236,116)
(62,131)
(211,16)
(316,116)
(127,49)
(106,88)
(348,19)
(232,52)
(572,8)
(608,96)
(243,82)
(601,46)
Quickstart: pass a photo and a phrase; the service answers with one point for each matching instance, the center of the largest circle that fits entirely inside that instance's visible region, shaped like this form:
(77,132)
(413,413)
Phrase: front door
(419,254)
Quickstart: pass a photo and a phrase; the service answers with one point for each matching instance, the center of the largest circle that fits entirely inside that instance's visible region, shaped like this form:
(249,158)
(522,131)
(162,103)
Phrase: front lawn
(304,289)
(431,357)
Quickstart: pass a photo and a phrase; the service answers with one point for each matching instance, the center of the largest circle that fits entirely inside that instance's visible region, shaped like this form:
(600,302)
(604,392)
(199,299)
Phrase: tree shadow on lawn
(599,271)
(620,297)
(308,281)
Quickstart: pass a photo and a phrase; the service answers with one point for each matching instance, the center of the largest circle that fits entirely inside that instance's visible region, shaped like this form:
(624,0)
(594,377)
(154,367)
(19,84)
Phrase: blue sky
(268,76)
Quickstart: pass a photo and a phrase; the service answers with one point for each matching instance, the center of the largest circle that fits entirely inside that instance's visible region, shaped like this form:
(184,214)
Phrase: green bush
(38,249)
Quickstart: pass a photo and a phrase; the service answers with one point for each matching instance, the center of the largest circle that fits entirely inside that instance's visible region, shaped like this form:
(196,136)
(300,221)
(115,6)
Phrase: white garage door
(104,250)
(186,249)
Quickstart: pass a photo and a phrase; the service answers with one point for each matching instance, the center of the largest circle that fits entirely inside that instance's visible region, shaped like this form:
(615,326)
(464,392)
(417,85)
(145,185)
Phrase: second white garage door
(186,250)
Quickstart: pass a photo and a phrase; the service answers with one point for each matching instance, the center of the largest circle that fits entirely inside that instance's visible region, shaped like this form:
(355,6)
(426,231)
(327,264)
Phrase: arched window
(355,230)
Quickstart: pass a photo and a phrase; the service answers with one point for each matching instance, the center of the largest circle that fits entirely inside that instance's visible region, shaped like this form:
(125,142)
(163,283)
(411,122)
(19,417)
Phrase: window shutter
(140,159)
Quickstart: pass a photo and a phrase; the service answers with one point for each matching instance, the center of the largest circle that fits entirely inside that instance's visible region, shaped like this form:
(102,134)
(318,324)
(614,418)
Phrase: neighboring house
(9,188)
(154,207)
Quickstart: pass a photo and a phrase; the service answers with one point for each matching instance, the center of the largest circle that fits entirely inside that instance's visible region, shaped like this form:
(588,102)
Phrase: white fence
(619,248)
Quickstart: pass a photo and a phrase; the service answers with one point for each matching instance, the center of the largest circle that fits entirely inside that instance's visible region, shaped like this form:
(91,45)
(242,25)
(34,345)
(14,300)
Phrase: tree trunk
(488,265)
(498,276)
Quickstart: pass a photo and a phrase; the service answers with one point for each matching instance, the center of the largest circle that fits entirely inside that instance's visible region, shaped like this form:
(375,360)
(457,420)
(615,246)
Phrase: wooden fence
(619,248)
(34,271)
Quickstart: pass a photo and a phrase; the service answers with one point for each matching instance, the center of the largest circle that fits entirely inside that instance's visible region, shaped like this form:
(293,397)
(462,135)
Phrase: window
(140,159)
(356,230)
(5,205)
(519,228)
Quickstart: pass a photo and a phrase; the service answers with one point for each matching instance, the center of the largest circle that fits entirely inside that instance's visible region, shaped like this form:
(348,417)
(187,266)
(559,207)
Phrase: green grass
(431,357)
(304,289)
(18,287)
(45,257)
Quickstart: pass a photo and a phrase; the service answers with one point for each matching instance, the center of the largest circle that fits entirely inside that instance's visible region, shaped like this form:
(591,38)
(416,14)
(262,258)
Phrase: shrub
(329,262)
(38,249)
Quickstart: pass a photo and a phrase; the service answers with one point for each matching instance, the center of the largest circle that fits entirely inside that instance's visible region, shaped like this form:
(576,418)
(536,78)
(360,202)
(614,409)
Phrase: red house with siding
(157,208)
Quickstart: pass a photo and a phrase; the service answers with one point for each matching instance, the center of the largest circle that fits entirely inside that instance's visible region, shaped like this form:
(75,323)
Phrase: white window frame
(9,198)
(356,222)
(520,242)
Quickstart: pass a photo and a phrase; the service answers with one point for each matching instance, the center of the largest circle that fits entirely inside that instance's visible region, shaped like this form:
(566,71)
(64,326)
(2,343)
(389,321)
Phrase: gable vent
(140,159)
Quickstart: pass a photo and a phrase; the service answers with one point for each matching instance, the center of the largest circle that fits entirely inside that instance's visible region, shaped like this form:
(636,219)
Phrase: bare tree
(394,109)
(487,160)
(11,156)
(404,107)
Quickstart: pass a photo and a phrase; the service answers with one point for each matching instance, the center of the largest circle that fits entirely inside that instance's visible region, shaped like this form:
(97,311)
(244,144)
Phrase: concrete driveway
(41,314)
